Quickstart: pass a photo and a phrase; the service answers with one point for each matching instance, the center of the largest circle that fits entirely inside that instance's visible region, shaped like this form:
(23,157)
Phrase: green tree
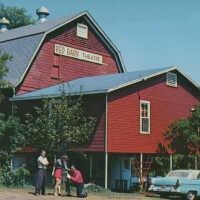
(182,137)
(178,136)
(59,124)
(11,137)
(160,165)
(4,58)
(11,133)
(17,16)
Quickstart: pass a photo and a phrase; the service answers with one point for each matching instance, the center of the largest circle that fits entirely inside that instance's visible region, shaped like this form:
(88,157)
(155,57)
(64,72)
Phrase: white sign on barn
(78,54)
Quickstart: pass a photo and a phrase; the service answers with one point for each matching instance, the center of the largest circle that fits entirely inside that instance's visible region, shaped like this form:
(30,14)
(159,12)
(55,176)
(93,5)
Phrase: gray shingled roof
(23,42)
(22,50)
(94,85)
(35,28)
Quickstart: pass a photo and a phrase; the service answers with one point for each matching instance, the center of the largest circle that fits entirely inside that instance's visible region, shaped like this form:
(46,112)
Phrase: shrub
(16,177)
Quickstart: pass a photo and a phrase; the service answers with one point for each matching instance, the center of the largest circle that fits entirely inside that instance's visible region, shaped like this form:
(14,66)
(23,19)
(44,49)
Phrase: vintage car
(177,182)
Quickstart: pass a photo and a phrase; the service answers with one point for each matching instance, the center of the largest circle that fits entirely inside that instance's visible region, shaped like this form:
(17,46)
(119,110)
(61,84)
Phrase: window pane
(145,117)
(144,110)
(145,124)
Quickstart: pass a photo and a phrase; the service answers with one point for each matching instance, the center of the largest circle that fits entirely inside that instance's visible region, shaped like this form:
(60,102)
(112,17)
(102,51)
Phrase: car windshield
(178,174)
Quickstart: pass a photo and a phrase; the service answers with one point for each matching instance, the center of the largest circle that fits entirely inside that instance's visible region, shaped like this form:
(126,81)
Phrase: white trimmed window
(145,117)
(171,79)
(82,31)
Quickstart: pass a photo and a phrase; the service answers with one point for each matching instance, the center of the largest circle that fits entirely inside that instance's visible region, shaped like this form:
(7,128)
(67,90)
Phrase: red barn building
(59,50)
(132,108)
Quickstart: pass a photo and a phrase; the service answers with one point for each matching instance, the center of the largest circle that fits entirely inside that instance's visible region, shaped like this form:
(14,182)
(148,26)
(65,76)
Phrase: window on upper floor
(82,31)
(171,79)
(145,117)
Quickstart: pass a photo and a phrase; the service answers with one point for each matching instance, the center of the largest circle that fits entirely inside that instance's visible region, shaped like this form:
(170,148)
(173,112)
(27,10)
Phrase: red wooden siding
(96,108)
(55,72)
(167,104)
(69,35)
(40,73)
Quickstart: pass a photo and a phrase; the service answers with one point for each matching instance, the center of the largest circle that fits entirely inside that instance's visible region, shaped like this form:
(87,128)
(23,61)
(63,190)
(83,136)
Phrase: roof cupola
(42,14)
(4,24)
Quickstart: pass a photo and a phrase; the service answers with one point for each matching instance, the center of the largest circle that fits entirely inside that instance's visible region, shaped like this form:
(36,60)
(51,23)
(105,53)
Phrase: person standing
(41,180)
(58,171)
(77,180)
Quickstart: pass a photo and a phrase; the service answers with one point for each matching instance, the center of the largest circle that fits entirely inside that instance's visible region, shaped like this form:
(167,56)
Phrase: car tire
(190,196)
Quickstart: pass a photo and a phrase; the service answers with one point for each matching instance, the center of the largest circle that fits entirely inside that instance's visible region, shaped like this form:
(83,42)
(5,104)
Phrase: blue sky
(149,33)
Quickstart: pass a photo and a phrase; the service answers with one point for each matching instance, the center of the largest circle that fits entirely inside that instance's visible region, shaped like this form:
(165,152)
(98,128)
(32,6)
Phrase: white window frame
(168,83)
(149,116)
(79,31)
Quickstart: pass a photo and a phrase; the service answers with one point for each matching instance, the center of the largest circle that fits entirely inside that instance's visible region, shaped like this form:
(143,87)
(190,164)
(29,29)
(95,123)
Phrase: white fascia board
(18,98)
(189,79)
(142,79)
(67,22)
(107,39)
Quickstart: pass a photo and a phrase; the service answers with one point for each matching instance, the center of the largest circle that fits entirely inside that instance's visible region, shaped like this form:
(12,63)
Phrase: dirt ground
(27,194)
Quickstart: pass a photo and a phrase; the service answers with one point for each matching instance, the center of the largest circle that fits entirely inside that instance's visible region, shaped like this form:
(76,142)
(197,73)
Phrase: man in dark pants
(42,173)
(77,180)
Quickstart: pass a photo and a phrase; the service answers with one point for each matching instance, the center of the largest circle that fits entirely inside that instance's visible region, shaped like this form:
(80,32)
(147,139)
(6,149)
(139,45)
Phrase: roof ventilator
(4,24)
(42,14)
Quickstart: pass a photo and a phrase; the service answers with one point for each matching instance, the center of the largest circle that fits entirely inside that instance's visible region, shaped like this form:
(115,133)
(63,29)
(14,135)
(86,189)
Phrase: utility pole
(171,162)
(197,153)
(192,110)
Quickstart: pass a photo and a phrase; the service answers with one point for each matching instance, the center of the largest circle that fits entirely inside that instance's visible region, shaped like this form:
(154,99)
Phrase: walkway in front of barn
(27,194)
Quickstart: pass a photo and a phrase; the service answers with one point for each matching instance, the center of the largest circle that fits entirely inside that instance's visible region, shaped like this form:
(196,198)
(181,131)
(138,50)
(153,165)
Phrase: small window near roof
(171,79)
(82,31)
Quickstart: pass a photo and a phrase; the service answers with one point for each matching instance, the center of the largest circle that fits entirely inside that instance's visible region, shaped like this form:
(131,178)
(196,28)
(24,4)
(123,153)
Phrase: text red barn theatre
(78,54)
